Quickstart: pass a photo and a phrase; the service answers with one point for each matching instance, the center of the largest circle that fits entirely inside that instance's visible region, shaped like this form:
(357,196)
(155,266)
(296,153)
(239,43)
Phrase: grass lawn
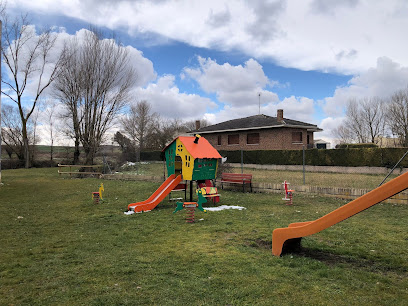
(352,180)
(59,248)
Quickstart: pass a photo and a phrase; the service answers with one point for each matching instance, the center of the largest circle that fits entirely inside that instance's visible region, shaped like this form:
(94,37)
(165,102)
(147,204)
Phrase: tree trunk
(76,152)
(89,154)
(89,157)
(52,150)
(26,145)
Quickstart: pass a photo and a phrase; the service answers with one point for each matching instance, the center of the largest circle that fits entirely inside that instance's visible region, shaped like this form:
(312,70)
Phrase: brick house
(259,132)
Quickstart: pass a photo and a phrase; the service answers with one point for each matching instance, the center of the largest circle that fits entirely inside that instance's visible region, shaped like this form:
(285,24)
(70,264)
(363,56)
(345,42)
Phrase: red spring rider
(288,193)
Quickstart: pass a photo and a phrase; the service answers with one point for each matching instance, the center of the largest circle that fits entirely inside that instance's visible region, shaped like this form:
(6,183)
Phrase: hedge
(351,157)
(372,157)
(356,145)
(151,155)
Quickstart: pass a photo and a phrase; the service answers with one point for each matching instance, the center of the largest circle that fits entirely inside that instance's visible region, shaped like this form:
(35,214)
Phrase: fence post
(304,176)
(242,161)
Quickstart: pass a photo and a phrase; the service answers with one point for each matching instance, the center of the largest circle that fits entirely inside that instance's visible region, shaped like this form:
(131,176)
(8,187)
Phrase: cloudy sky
(211,59)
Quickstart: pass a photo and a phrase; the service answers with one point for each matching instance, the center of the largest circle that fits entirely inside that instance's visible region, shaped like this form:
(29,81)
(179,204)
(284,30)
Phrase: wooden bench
(78,167)
(237,178)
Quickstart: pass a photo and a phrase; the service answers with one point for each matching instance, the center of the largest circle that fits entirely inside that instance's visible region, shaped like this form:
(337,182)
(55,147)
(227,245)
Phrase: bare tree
(373,118)
(12,131)
(397,115)
(365,121)
(51,120)
(191,125)
(94,86)
(354,121)
(27,57)
(164,132)
(343,134)
(140,124)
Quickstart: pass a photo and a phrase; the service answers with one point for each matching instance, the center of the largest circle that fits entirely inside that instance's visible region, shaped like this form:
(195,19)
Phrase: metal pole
(191,191)
(259,102)
(304,176)
(242,161)
(395,166)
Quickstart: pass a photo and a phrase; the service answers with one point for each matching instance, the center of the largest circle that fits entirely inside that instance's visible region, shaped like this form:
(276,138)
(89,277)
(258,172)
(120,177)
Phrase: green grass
(57,247)
(353,180)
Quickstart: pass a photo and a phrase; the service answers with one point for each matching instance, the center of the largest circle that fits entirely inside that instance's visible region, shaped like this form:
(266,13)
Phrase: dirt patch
(260,244)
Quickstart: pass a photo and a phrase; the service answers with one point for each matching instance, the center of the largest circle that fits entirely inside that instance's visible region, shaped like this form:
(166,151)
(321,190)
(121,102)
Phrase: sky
(211,59)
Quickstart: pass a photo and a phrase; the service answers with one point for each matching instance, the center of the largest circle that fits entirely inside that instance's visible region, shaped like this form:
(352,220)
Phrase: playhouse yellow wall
(188,160)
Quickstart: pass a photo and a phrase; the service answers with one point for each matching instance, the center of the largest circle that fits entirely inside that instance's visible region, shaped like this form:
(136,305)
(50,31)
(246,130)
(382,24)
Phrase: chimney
(197,138)
(279,115)
(197,124)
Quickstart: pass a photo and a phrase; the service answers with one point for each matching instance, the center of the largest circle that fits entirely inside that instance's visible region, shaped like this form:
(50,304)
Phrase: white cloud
(328,125)
(301,109)
(167,100)
(143,66)
(343,36)
(234,85)
(238,87)
(381,81)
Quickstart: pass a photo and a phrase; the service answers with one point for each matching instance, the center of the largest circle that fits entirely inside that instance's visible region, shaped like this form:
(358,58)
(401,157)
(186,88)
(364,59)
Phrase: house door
(178,166)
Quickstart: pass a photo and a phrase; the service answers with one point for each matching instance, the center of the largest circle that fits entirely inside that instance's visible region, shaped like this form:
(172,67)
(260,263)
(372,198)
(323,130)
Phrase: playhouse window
(233,139)
(253,138)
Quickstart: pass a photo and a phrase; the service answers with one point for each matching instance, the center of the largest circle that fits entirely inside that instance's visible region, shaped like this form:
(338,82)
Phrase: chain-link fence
(342,181)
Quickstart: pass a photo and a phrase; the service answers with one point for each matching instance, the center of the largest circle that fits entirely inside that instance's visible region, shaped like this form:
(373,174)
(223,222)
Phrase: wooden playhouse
(192,157)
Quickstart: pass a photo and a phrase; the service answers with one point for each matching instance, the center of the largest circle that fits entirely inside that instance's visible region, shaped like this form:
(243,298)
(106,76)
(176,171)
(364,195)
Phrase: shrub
(12,164)
(356,145)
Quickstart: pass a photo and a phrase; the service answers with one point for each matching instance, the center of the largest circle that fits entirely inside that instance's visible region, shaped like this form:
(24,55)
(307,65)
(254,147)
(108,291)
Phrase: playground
(60,247)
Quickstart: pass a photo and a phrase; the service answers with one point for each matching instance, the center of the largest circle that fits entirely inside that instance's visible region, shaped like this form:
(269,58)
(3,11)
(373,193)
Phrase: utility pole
(259,101)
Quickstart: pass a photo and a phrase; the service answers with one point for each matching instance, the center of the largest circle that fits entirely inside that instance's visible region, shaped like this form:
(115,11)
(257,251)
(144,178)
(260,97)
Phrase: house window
(253,138)
(219,140)
(233,139)
(297,137)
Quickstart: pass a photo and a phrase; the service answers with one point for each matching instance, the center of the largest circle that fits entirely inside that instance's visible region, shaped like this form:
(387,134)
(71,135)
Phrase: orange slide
(158,196)
(293,234)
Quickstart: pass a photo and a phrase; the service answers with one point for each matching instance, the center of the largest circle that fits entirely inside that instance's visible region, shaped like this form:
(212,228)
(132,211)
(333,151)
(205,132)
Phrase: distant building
(388,142)
(321,144)
(260,132)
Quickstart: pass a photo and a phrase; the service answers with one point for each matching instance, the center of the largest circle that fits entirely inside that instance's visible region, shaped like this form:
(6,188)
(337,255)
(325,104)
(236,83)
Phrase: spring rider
(191,206)
(97,196)
(288,193)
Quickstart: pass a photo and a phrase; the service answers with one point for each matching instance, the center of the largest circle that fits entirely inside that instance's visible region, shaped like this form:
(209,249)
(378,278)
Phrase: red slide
(158,196)
(295,231)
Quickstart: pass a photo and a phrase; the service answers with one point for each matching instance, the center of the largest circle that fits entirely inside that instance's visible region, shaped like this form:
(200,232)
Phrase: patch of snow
(127,164)
(222,207)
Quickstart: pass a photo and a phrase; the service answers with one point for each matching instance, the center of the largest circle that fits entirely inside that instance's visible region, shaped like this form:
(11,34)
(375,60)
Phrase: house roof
(316,141)
(256,122)
(202,149)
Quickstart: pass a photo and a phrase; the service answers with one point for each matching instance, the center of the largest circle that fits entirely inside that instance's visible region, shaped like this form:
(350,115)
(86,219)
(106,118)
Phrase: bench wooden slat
(77,172)
(237,178)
